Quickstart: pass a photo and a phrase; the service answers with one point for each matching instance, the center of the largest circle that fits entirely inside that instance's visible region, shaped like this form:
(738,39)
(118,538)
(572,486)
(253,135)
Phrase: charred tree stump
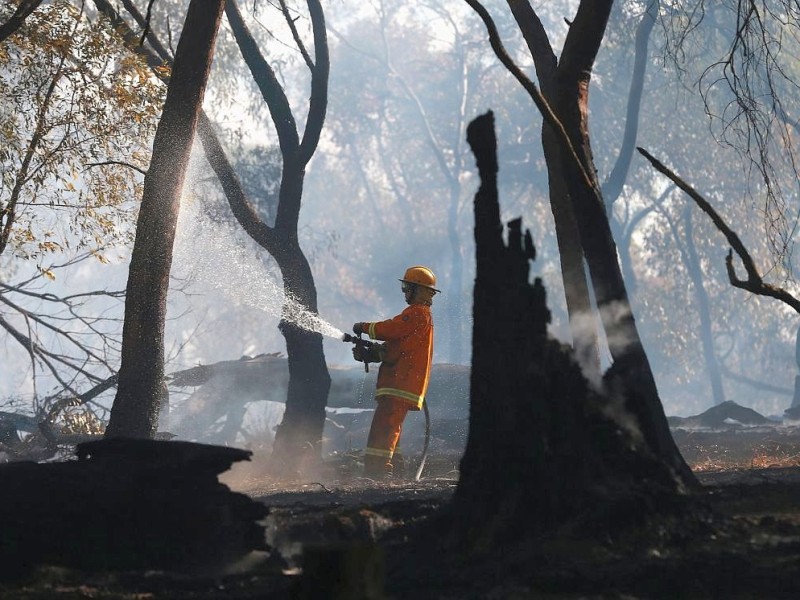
(543,445)
(127,504)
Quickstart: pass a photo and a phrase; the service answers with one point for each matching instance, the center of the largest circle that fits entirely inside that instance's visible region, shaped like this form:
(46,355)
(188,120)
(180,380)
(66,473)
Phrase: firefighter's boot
(398,466)
(377,467)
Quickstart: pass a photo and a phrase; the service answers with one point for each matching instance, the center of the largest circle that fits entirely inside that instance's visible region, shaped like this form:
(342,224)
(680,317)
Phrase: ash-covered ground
(737,538)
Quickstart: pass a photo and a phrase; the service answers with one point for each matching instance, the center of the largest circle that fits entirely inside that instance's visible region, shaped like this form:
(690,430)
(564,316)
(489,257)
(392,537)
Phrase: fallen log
(223,390)
(126,505)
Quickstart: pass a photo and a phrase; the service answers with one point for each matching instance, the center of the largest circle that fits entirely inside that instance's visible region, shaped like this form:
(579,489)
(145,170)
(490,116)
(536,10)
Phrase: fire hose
(366,346)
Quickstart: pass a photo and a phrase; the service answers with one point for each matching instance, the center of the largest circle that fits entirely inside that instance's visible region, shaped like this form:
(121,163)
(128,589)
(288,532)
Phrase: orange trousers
(384,433)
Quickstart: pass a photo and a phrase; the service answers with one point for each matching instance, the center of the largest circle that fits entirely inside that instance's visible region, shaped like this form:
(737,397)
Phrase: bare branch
(754,282)
(147,18)
(297,39)
(530,87)
(117,162)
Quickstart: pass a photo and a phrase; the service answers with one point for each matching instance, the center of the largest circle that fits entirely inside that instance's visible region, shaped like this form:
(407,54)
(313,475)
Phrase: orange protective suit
(402,379)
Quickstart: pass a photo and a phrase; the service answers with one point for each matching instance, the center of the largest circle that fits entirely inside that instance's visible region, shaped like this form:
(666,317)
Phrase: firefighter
(405,367)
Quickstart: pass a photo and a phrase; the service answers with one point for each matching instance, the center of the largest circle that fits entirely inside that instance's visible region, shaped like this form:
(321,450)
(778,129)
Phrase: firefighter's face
(408,291)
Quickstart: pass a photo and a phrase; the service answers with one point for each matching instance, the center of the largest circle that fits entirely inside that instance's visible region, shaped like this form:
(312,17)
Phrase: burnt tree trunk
(136,405)
(541,449)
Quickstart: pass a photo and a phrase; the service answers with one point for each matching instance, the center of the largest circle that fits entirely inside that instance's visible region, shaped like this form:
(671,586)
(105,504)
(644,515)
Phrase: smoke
(615,313)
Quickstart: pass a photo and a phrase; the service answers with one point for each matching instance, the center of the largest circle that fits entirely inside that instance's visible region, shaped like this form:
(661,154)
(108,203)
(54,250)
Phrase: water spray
(204,246)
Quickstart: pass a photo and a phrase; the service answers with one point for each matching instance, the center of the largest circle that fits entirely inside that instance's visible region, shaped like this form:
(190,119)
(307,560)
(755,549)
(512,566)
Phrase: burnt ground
(737,538)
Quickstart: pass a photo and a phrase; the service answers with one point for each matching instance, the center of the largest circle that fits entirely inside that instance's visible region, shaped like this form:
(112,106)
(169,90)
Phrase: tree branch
(754,282)
(266,80)
(530,87)
(24,10)
(318,103)
(117,162)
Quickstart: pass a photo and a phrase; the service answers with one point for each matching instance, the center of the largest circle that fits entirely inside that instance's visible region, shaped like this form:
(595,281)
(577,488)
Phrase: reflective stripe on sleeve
(371,330)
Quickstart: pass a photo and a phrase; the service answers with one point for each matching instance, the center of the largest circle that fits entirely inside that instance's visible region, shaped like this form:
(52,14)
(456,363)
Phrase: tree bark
(631,374)
(630,377)
(576,285)
(135,409)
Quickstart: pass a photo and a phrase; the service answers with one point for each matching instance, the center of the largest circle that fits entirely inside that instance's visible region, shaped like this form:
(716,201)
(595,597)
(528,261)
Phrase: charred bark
(543,446)
(576,285)
(630,377)
(141,374)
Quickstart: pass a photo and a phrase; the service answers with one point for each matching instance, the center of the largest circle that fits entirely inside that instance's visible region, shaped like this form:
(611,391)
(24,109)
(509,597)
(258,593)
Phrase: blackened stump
(543,447)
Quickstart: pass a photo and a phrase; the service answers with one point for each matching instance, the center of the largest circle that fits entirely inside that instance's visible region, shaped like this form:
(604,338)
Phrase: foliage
(77,118)
(754,338)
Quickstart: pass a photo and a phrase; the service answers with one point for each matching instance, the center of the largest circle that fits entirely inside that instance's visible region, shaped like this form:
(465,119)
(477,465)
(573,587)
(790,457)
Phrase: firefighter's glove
(373,354)
(358,328)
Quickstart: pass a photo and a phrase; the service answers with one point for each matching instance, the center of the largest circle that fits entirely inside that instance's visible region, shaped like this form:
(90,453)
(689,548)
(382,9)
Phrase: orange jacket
(406,368)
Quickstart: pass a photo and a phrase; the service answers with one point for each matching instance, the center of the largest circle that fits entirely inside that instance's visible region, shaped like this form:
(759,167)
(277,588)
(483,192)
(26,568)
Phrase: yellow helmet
(420,275)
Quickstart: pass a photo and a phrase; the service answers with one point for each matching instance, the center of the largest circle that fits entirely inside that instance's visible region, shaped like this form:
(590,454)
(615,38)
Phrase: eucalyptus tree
(141,375)
(298,439)
(301,430)
(703,87)
(78,110)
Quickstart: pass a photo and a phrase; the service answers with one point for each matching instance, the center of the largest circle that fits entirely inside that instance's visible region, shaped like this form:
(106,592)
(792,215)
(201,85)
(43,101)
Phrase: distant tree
(754,281)
(401,95)
(731,61)
(141,374)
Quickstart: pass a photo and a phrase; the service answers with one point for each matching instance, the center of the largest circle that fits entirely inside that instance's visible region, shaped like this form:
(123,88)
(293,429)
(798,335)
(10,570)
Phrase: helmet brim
(430,287)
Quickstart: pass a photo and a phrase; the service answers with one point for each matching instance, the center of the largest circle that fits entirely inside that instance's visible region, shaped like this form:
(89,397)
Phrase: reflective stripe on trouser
(387,423)
(413,400)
